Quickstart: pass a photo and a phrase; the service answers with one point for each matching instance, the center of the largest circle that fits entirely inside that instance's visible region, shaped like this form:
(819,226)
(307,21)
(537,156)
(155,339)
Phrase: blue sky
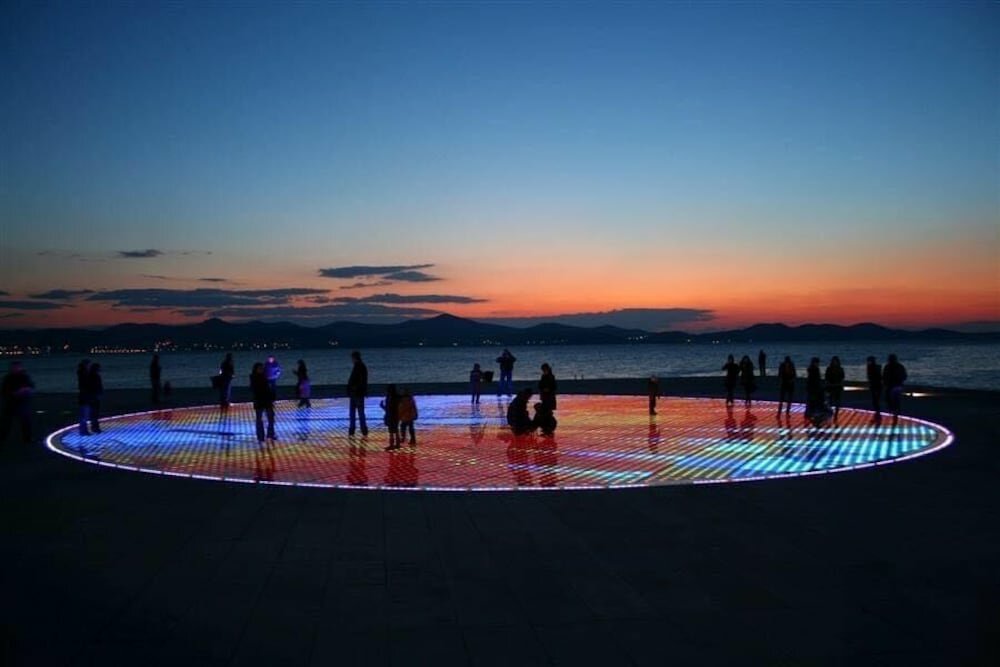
(268,141)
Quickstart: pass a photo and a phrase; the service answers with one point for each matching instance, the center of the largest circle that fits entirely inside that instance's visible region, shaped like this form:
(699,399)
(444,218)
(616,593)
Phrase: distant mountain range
(439,331)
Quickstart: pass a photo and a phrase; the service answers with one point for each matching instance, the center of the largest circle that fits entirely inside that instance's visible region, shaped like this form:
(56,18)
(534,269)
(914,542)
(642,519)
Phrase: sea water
(964,365)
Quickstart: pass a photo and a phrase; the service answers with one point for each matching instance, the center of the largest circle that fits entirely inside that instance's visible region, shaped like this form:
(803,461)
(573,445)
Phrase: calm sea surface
(974,366)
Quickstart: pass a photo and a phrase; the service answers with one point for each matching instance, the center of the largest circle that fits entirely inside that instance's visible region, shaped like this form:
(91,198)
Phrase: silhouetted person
(357,390)
(874,372)
(747,380)
(390,405)
(547,388)
(475,383)
(762,363)
(835,384)
(154,377)
(303,388)
(518,419)
(227,371)
(653,389)
(816,409)
(506,361)
(544,419)
(95,392)
(81,395)
(272,370)
(15,402)
(893,377)
(407,415)
(786,384)
(732,370)
(263,401)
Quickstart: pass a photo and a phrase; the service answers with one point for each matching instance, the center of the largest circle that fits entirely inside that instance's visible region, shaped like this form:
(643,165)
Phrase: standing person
(95,391)
(272,371)
(227,371)
(81,395)
(506,361)
(547,388)
(893,377)
(475,383)
(357,390)
(835,384)
(390,405)
(653,389)
(15,395)
(762,362)
(732,370)
(815,404)
(747,380)
(786,384)
(874,371)
(263,401)
(303,388)
(407,415)
(154,378)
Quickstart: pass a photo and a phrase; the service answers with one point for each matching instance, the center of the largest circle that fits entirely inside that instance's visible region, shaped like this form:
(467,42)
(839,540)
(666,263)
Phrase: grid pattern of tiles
(601,441)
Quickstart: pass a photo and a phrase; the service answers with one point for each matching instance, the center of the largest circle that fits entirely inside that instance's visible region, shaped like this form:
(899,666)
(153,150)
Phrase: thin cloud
(61,294)
(319,314)
(411,277)
(213,280)
(408,298)
(3,293)
(75,256)
(201,297)
(381,283)
(365,271)
(139,254)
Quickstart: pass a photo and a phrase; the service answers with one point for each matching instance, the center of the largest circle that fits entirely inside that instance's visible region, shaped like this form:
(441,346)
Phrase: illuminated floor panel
(602,441)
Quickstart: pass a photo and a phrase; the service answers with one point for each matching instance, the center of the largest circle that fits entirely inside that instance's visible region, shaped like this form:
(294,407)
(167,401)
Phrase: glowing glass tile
(601,441)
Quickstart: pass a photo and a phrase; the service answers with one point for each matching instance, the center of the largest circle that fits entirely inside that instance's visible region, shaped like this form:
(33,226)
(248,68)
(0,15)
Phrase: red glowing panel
(601,441)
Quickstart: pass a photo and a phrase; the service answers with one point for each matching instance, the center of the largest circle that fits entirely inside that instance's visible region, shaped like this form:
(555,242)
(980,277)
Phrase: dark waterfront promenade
(891,565)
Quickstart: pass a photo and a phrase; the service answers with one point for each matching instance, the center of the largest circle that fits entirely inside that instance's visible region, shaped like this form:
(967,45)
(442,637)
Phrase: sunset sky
(689,166)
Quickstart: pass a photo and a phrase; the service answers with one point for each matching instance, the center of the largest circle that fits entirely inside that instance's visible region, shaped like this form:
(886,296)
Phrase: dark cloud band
(31,305)
(139,254)
(369,271)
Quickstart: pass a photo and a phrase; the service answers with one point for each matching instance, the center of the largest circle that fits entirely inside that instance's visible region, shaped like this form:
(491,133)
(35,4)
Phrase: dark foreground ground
(894,565)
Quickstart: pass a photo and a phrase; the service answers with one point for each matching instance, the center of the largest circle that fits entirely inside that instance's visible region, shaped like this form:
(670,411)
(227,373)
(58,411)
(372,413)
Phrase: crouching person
(518,419)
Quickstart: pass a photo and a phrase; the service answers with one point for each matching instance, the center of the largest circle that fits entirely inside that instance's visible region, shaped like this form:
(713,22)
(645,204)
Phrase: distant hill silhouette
(439,331)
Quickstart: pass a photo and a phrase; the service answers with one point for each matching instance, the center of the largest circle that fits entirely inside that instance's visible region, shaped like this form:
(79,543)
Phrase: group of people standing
(400,408)
(820,384)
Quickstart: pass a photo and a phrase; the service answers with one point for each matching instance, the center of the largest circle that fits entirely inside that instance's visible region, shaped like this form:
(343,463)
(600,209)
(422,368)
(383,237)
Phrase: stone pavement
(890,565)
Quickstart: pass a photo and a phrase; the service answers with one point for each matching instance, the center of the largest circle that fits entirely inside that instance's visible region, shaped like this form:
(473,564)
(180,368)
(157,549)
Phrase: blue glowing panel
(601,441)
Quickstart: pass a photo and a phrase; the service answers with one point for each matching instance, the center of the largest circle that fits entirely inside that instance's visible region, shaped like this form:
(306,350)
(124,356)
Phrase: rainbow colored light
(601,442)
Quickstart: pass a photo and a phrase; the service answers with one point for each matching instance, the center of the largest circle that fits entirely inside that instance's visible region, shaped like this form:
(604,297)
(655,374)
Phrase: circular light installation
(601,442)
